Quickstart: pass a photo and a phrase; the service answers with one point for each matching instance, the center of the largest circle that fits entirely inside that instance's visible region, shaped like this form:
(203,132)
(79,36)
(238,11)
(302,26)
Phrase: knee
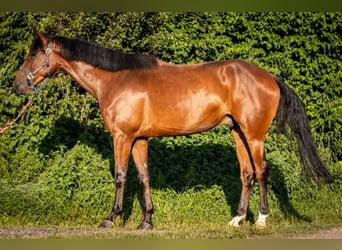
(247,178)
(120,179)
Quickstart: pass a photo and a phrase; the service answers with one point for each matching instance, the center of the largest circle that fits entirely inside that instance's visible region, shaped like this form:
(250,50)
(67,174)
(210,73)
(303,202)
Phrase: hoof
(261,222)
(234,225)
(260,225)
(235,222)
(106,224)
(145,226)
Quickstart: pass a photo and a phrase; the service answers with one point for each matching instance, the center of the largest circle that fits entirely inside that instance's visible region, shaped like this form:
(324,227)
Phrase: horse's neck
(85,75)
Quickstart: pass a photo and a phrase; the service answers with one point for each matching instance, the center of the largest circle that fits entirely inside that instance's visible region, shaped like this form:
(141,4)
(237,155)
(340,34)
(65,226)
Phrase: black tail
(291,111)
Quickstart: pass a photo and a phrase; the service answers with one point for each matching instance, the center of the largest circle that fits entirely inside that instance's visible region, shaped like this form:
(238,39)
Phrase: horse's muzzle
(21,87)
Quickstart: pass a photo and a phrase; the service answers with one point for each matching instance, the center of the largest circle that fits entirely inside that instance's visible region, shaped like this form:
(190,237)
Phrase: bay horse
(141,96)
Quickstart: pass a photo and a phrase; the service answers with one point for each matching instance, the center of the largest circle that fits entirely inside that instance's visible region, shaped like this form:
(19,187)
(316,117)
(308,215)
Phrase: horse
(141,96)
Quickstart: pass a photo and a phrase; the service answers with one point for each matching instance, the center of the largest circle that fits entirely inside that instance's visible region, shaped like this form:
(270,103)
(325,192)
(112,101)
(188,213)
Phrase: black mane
(101,57)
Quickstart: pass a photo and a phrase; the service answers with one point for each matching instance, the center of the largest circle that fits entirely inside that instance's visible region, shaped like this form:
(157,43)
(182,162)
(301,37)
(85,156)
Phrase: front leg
(140,157)
(122,149)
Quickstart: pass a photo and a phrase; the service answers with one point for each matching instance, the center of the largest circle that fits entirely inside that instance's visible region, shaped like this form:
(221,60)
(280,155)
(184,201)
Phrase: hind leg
(261,169)
(251,156)
(246,176)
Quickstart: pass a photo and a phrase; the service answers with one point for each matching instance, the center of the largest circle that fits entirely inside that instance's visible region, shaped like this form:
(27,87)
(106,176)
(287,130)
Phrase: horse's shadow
(202,165)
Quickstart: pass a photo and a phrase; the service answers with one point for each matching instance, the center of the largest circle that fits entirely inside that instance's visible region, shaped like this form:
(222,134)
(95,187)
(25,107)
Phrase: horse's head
(36,67)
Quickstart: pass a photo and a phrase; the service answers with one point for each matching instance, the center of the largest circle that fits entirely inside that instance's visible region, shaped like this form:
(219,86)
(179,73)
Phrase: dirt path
(44,232)
(334,233)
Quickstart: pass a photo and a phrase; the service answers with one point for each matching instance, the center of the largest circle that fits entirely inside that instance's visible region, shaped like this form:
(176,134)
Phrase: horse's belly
(173,124)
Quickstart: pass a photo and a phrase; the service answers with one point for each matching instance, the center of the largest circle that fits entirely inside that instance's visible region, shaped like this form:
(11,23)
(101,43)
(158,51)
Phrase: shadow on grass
(192,165)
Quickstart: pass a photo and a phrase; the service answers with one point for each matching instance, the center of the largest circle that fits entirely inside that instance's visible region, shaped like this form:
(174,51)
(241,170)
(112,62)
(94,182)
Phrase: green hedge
(56,163)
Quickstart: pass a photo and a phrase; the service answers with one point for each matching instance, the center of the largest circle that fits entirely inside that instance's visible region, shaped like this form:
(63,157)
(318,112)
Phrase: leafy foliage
(56,162)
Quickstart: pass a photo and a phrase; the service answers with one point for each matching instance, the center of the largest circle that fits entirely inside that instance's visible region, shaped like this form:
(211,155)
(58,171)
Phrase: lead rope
(25,107)
(9,124)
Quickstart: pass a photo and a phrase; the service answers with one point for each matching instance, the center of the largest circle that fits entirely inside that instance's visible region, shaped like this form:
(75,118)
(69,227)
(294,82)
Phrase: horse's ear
(42,38)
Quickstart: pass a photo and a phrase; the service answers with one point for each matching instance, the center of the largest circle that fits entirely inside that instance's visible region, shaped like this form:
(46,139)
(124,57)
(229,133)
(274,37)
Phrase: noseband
(30,75)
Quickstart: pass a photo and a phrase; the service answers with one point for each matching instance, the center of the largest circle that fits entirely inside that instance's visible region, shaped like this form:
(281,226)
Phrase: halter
(30,75)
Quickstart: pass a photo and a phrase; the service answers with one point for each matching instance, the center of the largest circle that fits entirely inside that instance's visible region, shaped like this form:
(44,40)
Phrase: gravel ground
(46,232)
(334,233)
